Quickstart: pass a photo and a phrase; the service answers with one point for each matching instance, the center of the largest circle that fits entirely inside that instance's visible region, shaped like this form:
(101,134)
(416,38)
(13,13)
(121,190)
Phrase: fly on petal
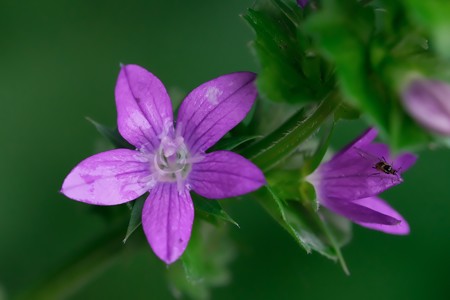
(350,181)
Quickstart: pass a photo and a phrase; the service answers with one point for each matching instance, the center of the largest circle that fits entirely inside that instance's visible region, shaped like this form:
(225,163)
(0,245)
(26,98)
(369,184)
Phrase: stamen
(195,159)
(172,162)
(180,182)
(178,129)
(147,182)
(143,157)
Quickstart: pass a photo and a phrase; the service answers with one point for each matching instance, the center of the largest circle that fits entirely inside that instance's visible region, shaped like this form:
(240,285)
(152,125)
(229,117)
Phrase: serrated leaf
(309,229)
(135,217)
(342,40)
(112,135)
(211,210)
(277,209)
(340,227)
(283,55)
(344,32)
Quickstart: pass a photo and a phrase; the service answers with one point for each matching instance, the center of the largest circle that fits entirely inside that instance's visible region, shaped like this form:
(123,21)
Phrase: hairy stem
(281,143)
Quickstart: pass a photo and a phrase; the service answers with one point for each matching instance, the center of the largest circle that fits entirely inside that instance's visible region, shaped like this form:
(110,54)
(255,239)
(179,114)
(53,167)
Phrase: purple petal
(143,106)
(405,161)
(107,178)
(214,108)
(351,176)
(167,219)
(364,156)
(353,173)
(361,211)
(377,150)
(427,101)
(381,206)
(360,142)
(224,174)
(302,3)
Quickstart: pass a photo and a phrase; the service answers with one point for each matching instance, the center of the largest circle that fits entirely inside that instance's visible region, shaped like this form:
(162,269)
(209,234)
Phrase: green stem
(334,243)
(312,207)
(281,143)
(81,269)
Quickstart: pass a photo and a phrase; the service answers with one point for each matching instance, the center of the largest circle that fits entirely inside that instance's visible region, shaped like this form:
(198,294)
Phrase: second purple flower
(428,102)
(349,183)
(169,160)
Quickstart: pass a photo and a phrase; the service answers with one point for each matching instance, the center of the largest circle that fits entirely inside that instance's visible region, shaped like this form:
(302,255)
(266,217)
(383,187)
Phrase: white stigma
(171,161)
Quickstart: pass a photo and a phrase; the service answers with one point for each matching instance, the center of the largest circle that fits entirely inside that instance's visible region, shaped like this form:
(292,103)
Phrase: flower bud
(302,3)
(428,102)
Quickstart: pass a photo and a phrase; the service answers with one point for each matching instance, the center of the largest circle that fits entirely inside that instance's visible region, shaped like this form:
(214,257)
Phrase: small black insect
(384,167)
(380,164)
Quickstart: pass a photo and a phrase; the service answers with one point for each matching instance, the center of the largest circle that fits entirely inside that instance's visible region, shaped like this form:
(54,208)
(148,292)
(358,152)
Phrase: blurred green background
(58,64)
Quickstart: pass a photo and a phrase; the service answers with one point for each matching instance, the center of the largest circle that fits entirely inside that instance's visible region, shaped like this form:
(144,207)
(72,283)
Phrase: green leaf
(309,229)
(288,67)
(211,210)
(135,217)
(340,228)
(343,39)
(279,211)
(345,33)
(112,135)
(314,161)
(250,115)
(204,264)
(284,183)
(434,17)
(308,195)
(231,143)
(346,112)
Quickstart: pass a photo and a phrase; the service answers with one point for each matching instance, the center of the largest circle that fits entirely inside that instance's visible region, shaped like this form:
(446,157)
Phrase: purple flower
(428,102)
(302,3)
(169,160)
(349,183)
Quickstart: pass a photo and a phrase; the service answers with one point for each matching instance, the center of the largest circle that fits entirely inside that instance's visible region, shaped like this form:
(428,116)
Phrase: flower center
(171,161)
